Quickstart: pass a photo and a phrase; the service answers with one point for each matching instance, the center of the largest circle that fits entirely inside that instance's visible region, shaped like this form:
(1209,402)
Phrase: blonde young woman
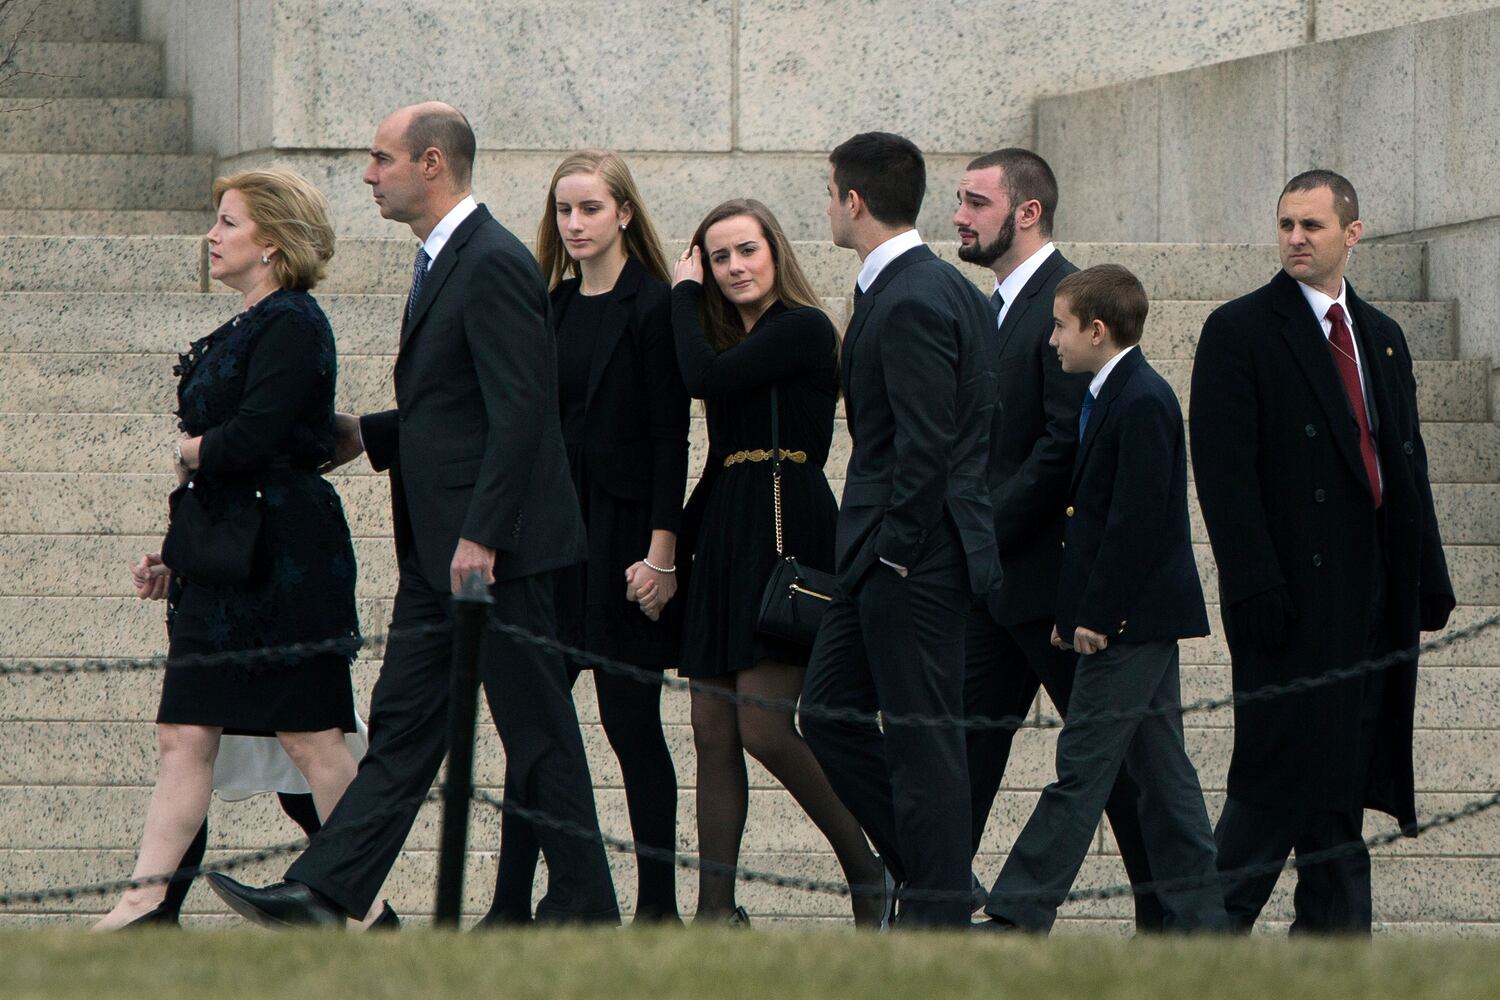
(746,320)
(255,405)
(625,422)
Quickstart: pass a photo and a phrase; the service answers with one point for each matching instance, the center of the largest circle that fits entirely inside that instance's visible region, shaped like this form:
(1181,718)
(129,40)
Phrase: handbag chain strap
(776,466)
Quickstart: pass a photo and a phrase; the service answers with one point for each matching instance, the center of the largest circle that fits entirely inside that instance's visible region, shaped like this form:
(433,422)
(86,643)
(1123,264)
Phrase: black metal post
(470,608)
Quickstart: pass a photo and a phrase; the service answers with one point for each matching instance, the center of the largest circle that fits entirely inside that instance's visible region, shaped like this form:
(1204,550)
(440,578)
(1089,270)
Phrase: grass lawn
(247,965)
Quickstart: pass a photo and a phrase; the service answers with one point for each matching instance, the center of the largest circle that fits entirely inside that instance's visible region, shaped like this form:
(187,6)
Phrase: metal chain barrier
(621,845)
(1266,693)
(70,893)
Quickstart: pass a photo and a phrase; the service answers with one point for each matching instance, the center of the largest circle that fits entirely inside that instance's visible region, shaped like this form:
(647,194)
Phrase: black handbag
(795,597)
(221,551)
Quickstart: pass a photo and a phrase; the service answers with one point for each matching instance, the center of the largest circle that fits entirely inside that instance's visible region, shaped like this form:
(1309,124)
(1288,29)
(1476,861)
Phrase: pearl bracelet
(664,570)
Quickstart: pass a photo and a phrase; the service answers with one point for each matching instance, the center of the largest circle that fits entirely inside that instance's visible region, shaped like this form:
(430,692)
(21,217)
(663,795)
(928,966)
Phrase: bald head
(439,126)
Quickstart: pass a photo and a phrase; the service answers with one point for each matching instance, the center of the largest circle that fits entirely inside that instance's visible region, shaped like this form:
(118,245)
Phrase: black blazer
(1127,557)
(1032,446)
(636,408)
(1284,495)
(475,444)
(919,395)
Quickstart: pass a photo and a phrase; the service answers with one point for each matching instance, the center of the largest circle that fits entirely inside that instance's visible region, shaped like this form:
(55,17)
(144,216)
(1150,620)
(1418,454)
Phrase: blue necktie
(1083,414)
(997,303)
(858,291)
(418,275)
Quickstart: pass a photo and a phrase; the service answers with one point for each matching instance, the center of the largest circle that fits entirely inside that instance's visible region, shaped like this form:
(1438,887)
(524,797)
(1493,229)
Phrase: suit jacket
(475,445)
(1286,500)
(1127,556)
(1032,446)
(919,396)
(636,409)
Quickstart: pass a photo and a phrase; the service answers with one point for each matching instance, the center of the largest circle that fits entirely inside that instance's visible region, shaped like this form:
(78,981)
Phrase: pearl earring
(265,258)
(622,227)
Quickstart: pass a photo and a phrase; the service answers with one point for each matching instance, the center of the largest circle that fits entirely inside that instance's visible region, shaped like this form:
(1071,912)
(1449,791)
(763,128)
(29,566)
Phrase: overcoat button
(1319,496)
(1390,352)
(1069,512)
(1064,544)
(1312,431)
(1406,447)
(1317,559)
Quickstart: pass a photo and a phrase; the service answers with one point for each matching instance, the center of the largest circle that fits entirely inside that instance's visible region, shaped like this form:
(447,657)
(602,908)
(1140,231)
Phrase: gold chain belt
(764,455)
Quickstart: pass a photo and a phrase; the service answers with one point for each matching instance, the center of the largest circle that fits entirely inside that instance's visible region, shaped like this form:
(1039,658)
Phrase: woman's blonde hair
(720,319)
(640,235)
(291,215)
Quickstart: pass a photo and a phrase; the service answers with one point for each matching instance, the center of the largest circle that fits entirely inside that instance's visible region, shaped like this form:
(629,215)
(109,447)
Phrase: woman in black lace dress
(256,410)
(756,325)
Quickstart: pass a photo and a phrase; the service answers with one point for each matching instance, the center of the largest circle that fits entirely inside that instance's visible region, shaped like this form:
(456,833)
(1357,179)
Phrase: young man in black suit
(1128,591)
(1006,203)
(915,539)
(1313,479)
(479,484)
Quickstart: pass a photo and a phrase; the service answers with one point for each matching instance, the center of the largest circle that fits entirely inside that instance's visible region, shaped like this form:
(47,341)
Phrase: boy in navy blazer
(1128,592)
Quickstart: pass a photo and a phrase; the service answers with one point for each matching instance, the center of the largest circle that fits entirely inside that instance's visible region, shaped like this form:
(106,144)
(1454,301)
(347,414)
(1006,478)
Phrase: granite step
(1203,272)
(74,628)
(1410,894)
(366,324)
(95,125)
(130,442)
(83,21)
(103,222)
(108,503)
(87,69)
(118,181)
(64,565)
(1447,391)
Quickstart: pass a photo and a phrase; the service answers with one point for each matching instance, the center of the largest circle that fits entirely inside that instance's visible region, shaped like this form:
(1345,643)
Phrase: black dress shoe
(387,921)
(998,925)
(501,920)
(283,904)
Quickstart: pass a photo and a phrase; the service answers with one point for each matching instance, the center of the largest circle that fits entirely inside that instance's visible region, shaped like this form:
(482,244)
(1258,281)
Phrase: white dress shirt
(884,254)
(1320,303)
(1015,281)
(438,238)
(1109,366)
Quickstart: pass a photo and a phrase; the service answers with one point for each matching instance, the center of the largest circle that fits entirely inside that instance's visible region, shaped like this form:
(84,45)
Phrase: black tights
(631,714)
(299,807)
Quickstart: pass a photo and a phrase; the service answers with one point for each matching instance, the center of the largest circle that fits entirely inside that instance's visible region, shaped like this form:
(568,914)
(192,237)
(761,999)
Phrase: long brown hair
(721,321)
(640,236)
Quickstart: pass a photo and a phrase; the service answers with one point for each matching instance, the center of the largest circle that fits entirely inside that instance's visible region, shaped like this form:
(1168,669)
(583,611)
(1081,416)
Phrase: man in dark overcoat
(1313,481)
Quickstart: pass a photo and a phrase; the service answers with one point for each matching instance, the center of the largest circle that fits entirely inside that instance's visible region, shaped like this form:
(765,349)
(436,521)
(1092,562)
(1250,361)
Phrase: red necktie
(1342,345)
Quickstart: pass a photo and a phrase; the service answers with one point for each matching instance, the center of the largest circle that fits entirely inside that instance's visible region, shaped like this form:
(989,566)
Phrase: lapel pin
(1390,351)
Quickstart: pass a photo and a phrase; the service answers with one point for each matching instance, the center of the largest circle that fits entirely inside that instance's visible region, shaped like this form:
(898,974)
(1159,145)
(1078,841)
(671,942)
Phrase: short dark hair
(1345,200)
(1110,294)
(449,131)
(888,172)
(1027,178)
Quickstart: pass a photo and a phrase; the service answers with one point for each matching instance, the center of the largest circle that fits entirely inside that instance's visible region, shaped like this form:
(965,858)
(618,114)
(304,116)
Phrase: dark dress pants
(1046,858)
(896,645)
(1004,665)
(527,691)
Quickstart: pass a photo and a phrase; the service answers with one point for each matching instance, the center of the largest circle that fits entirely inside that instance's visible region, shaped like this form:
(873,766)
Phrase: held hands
(648,588)
(1085,641)
(471,557)
(348,443)
(152,579)
(688,267)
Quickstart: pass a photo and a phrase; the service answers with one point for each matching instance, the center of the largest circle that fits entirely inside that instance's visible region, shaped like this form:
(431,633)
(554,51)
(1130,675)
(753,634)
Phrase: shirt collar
(1109,366)
(1320,301)
(884,254)
(1016,280)
(441,232)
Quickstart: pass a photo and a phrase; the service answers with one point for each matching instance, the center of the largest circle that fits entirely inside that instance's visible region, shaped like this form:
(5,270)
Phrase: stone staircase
(94,309)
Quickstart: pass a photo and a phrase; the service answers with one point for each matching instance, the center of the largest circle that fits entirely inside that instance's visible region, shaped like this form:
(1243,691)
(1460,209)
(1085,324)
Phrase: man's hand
(348,443)
(1087,641)
(1265,620)
(471,557)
